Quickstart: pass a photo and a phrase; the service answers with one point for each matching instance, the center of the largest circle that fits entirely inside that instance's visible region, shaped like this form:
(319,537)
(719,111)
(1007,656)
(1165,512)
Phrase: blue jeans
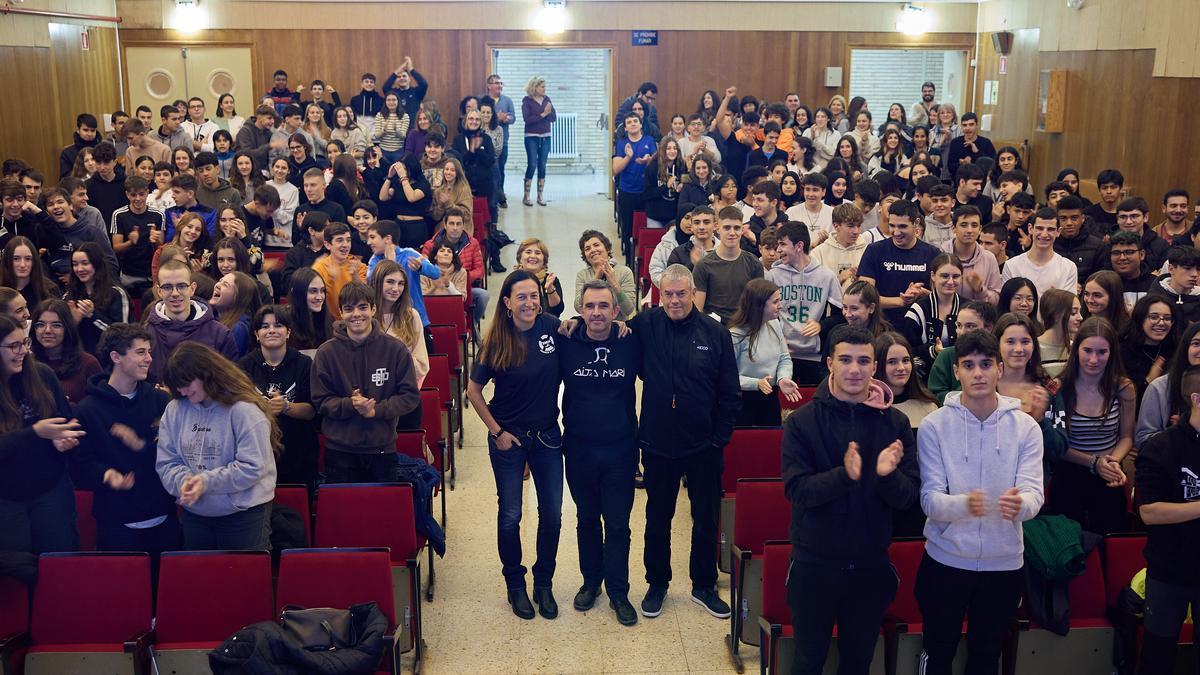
(601,480)
(43,524)
(248,530)
(542,450)
(536,148)
(391,157)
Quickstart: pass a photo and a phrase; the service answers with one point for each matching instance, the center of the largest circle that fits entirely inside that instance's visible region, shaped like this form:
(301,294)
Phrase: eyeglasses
(1160,318)
(18,347)
(1125,252)
(295,147)
(168,289)
(55,325)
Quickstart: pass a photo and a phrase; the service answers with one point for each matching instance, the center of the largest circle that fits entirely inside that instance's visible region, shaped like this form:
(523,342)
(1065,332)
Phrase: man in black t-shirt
(136,231)
(600,435)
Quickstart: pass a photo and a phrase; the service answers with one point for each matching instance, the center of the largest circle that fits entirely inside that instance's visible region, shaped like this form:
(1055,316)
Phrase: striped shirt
(1095,434)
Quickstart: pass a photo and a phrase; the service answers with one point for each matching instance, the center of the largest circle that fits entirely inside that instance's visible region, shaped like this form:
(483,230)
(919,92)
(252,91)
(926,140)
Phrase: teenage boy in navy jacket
(116,458)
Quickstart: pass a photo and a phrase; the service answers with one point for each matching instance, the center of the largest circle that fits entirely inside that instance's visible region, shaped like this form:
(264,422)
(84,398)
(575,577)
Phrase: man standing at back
(647,93)
(506,114)
(849,462)
(690,398)
(924,111)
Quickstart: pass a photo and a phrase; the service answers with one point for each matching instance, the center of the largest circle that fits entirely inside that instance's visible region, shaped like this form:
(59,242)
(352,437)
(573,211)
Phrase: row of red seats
(1088,648)
(91,612)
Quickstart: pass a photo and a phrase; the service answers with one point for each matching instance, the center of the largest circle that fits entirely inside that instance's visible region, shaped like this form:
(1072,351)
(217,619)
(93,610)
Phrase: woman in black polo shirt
(520,354)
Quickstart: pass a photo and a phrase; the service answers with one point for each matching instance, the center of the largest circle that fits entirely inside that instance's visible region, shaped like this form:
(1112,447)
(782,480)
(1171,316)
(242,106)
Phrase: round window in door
(221,81)
(159,84)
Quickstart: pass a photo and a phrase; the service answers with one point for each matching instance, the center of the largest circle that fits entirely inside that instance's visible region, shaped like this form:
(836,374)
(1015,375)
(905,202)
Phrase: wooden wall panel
(683,64)
(29,131)
(63,81)
(1118,115)
(83,80)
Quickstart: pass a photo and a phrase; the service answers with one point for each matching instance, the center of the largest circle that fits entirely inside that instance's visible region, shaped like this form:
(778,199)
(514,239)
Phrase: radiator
(563,142)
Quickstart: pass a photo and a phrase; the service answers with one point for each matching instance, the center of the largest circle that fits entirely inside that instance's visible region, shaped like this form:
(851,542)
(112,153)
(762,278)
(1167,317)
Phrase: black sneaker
(498,267)
(712,602)
(626,616)
(652,603)
(585,599)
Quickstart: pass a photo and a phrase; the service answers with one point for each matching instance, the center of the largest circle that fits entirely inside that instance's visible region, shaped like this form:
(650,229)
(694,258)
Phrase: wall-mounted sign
(645,38)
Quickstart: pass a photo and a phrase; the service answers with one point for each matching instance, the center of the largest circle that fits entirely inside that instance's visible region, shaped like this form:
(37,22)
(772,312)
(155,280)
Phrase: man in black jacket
(116,458)
(690,398)
(1075,240)
(1168,500)
(849,462)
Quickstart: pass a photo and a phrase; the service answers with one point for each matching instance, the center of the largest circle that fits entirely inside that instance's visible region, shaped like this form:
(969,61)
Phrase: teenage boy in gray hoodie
(981,477)
(807,290)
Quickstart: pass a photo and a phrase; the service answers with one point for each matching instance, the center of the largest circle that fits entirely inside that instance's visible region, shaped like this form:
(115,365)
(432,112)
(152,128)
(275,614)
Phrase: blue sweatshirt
(229,445)
(428,269)
(959,454)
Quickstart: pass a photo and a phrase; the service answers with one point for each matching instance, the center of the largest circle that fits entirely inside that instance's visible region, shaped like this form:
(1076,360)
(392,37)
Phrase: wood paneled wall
(30,128)
(1117,116)
(57,83)
(683,64)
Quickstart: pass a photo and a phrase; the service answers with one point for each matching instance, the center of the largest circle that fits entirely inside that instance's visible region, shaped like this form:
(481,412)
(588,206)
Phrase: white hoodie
(959,454)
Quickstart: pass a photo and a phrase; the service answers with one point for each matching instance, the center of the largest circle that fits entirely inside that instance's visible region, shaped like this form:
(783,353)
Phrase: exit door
(159,76)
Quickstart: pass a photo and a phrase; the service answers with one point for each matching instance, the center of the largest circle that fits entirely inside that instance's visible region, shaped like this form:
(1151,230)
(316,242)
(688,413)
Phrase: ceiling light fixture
(913,20)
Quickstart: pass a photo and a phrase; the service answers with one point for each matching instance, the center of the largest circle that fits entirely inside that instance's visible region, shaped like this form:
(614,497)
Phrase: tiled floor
(469,627)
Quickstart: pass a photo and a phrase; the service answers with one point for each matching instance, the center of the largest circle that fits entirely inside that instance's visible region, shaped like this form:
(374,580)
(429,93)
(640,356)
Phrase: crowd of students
(974,351)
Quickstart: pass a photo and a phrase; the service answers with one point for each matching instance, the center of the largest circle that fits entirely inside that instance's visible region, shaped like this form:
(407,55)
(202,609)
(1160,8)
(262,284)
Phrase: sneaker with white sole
(711,602)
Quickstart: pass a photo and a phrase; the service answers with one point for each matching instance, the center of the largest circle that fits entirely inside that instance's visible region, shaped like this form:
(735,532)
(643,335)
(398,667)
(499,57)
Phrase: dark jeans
(601,480)
(43,524)
(537,152)
(987,600)
(542,451)
(1166,607)
(1086,499)
(759,409)
(167,536)
(353,467)
(627,203)
(248,530)
(501,162)
(854,599)
(661,475)
(808,373)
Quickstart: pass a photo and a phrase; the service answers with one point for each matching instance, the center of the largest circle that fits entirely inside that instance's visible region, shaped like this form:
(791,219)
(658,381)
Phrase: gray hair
(677,272)
(598,285)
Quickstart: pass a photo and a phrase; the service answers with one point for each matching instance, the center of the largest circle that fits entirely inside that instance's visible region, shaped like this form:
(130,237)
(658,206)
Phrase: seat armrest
(11,643)
(139,642)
